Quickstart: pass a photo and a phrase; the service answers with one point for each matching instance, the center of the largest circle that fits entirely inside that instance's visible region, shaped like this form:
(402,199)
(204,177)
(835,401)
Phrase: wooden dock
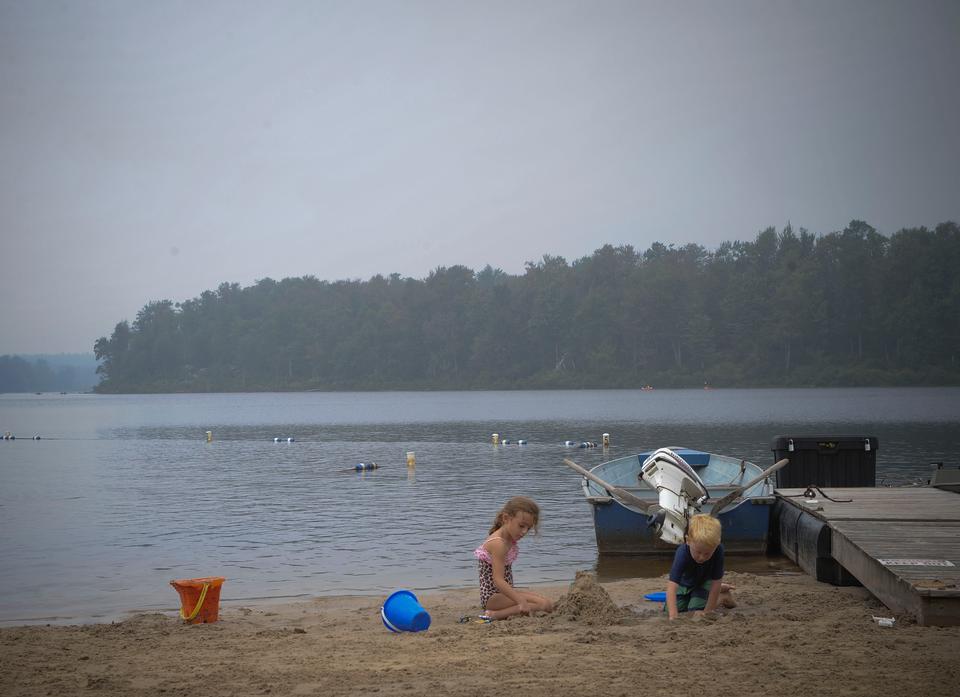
(902,544)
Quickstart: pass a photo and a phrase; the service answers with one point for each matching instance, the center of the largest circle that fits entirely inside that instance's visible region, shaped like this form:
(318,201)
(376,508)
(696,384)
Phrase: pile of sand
(588,602)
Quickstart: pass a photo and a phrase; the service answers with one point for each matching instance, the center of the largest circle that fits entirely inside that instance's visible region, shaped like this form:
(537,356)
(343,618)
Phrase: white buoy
(276,439)
(290,439)
(521,442)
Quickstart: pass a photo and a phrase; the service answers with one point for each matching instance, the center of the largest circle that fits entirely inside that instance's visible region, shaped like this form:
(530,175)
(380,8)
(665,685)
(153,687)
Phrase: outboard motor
(681,493)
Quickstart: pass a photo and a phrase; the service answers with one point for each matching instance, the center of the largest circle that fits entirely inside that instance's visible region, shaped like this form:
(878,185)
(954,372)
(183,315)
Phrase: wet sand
(790,636)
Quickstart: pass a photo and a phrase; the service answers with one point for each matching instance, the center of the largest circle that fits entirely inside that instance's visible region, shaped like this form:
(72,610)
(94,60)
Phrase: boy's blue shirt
(686,572)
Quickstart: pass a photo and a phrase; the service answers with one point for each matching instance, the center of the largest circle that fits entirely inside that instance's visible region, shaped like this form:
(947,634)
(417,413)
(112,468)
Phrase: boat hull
(621,530)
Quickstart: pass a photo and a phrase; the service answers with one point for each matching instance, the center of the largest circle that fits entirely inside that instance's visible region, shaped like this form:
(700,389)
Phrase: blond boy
(695,577)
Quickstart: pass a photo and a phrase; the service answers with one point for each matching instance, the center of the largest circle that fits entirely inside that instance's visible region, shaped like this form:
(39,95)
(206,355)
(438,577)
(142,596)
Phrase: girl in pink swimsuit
(495,559)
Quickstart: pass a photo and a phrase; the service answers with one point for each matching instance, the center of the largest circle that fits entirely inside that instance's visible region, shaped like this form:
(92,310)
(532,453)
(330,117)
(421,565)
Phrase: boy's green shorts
(691,599)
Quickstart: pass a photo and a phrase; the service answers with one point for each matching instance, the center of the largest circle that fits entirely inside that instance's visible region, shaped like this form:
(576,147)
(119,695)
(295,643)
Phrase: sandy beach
(790,635)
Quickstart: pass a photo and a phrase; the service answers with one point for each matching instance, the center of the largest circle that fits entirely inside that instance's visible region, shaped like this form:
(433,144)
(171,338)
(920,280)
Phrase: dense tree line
(21,374)
(852,307)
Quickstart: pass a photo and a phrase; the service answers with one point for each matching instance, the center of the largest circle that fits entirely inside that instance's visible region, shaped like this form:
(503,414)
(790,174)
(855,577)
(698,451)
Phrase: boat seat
(694,458)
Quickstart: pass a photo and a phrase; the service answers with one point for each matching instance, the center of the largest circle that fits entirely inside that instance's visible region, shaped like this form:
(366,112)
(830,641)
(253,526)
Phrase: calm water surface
(123,493)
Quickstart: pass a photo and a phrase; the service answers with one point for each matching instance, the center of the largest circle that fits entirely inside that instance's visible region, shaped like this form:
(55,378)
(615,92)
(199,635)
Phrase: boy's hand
(672,610)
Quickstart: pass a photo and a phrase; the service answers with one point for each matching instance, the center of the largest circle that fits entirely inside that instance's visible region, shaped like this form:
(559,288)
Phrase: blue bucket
(660,597)
(402,612)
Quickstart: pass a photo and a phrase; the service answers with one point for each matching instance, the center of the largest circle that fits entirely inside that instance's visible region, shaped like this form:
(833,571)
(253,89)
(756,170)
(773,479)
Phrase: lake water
(123,493)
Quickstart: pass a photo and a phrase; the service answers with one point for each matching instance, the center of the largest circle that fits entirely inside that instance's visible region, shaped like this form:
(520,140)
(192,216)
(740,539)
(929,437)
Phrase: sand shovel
(621,495)
(729,498)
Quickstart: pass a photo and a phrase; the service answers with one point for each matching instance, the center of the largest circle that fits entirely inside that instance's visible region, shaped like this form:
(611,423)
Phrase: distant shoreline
(520,388)
(497,388)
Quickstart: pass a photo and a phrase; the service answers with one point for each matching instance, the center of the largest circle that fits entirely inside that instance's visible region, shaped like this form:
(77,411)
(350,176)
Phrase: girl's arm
(714,598)
(498,561)
(672,600)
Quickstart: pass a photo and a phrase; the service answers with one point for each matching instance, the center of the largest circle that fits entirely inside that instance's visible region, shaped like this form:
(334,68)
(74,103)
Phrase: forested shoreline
(47,373)
(789,308)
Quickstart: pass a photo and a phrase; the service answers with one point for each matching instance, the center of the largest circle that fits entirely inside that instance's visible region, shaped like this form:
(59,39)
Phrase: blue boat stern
(621,531)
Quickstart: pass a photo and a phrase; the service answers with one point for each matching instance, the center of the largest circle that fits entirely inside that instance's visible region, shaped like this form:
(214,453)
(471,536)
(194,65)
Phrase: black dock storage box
(826,461)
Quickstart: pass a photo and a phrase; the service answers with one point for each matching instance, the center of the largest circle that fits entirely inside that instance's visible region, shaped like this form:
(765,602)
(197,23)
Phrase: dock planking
(879,503)
(916,530)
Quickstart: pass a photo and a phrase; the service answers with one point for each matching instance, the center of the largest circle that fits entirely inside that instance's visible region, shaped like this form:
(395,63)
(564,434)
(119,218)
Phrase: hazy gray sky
(152,149)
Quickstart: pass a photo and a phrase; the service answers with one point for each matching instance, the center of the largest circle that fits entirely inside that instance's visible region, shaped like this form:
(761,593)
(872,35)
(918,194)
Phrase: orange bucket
(199,598)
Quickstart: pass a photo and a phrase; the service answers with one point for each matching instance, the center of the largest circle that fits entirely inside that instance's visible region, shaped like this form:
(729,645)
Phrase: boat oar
(729,498)
(621,495)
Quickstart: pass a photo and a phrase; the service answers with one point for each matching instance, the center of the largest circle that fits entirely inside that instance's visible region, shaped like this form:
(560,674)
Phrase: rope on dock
(811,493)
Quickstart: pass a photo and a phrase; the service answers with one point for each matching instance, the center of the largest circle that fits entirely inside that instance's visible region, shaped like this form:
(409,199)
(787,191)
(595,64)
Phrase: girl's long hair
(518,504)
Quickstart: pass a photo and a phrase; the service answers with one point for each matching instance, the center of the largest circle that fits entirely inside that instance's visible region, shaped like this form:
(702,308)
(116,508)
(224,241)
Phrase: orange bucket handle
(196,608)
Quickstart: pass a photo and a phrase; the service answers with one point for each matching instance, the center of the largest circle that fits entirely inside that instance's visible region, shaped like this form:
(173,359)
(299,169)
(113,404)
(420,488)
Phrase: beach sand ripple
(789,636)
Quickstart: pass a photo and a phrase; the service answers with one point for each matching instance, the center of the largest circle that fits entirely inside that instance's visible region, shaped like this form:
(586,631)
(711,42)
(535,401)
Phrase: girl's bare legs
(500,607)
